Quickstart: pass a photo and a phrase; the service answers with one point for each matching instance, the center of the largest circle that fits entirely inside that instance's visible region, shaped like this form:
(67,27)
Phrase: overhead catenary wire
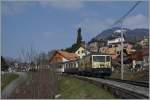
(121,23)
(126,14)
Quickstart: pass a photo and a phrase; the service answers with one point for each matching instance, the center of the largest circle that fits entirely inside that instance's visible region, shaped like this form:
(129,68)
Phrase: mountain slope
(130,35)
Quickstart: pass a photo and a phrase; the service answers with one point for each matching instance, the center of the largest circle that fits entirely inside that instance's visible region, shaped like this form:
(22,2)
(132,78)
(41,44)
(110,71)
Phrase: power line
(121,22)
(126,14)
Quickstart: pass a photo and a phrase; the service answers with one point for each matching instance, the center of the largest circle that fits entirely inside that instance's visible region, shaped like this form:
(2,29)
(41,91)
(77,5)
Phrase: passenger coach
(90,65)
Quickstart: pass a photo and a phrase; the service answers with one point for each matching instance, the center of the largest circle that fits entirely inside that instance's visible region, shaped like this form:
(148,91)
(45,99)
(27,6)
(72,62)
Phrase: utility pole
(121,32)
(85,48)
(121,22)
(122,67)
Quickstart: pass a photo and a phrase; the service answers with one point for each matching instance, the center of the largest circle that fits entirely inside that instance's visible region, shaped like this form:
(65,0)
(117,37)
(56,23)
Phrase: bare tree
(29,55)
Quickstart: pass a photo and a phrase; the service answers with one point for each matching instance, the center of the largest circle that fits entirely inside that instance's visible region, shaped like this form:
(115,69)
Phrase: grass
(126,76)
(72,88)
(129,75)
(6,79)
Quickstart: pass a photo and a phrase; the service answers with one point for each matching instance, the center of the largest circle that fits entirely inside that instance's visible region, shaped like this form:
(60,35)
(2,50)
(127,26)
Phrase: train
(96,65)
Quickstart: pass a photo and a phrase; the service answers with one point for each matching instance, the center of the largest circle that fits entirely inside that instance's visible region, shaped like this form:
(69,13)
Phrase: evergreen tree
(77,44)
(4,65)
(79,37)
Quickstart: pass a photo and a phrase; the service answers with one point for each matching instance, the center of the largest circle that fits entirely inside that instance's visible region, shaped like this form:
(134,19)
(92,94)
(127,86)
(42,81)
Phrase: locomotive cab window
(108,58)
(99,58)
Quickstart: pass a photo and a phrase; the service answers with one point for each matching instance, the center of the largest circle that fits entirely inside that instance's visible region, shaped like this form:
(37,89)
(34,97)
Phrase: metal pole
(85,48)
(122,67)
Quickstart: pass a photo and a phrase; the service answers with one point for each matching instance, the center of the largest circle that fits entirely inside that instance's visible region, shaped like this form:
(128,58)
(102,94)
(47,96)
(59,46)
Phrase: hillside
(130,35)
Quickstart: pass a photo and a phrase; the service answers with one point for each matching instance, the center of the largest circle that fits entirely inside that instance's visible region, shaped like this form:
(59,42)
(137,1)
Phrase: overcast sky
(53,25)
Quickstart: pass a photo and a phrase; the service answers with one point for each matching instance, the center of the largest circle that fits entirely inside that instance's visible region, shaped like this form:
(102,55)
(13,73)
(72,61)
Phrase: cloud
(63,4)
(9,8)
(18,7)
(136,21)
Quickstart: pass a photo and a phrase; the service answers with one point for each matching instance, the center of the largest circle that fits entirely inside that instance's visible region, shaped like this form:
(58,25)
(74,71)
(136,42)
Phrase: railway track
(120,88)
(141,84)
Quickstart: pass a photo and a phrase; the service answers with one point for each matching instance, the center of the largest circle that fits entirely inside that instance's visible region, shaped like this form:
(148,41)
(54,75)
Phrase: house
(144,43)
(128,45)
(130,51)
(95,45)
(62,56)
(115,40)
(146,57)
(16,65)
(103,50)
(140,58)
(114,47)
(81,51)
(111,51)
(11,69)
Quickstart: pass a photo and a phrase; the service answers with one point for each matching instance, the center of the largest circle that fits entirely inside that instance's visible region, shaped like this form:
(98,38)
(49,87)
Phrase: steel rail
(118,89)
(142,84)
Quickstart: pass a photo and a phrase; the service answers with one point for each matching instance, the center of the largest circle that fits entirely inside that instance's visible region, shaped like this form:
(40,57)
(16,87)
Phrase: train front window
(108,58)
(99,58)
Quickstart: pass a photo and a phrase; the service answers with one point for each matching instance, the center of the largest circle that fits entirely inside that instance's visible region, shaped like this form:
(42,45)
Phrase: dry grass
(134,76)
(41,84)
(73,88)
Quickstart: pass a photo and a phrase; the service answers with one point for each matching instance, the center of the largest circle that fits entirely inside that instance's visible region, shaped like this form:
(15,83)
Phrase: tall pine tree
(79,37)
(4,65)
(77,44)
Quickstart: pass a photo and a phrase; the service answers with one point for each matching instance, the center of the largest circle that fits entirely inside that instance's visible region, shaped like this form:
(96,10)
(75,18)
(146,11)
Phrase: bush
(4,67)
(33,70)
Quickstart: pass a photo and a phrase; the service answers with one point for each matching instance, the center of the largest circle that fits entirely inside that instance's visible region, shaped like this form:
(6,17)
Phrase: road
(41,84)
(11,87)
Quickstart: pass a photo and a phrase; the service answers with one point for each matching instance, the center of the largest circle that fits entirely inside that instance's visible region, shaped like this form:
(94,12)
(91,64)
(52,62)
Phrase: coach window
(71,65)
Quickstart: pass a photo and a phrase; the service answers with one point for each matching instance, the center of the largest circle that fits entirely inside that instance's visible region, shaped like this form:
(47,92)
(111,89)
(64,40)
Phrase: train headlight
(95,65)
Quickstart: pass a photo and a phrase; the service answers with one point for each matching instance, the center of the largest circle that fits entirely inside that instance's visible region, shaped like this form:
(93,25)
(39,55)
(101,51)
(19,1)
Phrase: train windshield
(108,58)
(99,58)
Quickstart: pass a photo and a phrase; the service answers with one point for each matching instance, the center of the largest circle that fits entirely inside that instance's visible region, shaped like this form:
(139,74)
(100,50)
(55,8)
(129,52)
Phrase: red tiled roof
(140,54)
(68,56)
(59,55)
(137,56)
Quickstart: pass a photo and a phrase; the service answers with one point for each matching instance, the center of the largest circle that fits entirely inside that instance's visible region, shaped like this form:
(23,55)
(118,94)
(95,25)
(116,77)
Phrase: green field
(6,79)
(72,88)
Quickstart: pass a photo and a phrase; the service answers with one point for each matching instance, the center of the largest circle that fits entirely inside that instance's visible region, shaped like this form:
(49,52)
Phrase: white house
(116,40)
(81,51)
(61,57)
